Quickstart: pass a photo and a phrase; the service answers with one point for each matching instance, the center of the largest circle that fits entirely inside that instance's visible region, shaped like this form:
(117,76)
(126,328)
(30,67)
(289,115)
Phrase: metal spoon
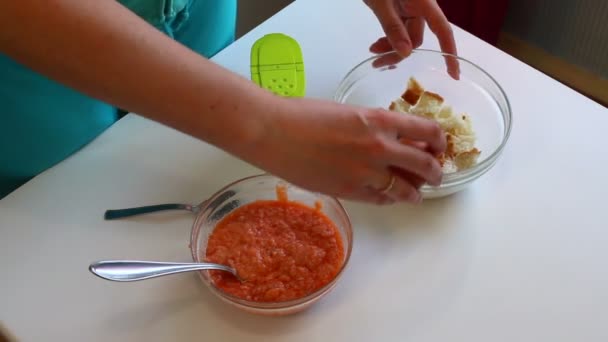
(127,270)
(114,214)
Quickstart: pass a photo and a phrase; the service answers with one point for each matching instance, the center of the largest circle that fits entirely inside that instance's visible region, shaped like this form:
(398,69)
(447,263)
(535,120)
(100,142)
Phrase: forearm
(102,49)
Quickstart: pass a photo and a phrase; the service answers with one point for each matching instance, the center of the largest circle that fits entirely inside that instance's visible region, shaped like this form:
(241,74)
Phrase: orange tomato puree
(283,250)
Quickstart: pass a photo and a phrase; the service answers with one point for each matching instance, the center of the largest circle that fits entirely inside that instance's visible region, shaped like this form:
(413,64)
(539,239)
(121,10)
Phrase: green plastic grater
(277,65)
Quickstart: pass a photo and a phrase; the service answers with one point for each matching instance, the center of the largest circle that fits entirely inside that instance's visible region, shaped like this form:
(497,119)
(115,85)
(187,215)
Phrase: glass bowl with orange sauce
(290,246)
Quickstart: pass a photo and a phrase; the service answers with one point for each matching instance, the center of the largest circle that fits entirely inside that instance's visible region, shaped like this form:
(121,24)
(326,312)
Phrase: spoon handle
(126,270)
(120,213)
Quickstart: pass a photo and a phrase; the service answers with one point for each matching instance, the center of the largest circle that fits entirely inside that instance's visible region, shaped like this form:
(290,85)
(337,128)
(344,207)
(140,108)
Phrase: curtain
(482,18)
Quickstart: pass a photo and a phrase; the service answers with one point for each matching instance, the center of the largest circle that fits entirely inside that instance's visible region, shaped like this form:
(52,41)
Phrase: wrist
(250,133)
(271,133)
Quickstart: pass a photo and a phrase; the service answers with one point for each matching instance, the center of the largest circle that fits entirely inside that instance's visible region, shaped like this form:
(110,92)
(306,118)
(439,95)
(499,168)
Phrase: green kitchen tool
(277,65)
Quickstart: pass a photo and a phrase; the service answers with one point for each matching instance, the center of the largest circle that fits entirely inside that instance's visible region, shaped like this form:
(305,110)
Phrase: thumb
(393,26)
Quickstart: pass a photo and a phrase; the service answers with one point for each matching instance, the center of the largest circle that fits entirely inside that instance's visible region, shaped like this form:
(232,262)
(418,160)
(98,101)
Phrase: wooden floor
(579,79)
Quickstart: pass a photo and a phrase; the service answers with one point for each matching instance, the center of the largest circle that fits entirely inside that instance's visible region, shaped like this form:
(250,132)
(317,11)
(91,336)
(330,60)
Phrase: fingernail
(454,71)
(455,74)
(438,180)
(415,197)
(403,48)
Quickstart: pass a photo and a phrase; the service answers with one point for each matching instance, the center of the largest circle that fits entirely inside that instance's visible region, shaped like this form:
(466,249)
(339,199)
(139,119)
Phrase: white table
(520,256)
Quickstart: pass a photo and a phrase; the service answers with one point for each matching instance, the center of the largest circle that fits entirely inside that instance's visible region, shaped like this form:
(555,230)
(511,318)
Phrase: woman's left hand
(403,24)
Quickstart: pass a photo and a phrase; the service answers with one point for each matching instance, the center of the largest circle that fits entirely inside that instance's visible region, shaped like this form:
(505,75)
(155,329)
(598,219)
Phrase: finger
(393,27)
(366,186)
(369,195)
(415,28)
(382,45)
(438,23)
(373,196)
(416,128)
(421,145)
(388,59)
(412,178)
(417,162)
(416,181)
(404,191)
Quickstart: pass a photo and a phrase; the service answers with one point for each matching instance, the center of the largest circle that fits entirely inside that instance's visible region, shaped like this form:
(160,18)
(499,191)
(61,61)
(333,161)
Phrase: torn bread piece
(461,152)
(429,104)
(413,92)
(408,98)
(399,105)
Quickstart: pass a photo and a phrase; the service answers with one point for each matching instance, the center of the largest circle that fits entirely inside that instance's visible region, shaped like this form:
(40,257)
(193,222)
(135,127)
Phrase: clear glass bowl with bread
(473,111)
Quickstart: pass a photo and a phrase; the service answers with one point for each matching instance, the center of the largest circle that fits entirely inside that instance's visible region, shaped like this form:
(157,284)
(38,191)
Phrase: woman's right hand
(351,152)
(323,146)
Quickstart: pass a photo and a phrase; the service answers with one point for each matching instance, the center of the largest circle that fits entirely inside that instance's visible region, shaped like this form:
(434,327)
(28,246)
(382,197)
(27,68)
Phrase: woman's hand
(351,152)
(403,23)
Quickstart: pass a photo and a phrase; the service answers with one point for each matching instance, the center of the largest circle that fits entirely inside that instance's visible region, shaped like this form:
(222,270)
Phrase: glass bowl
(378,80)
(263,187)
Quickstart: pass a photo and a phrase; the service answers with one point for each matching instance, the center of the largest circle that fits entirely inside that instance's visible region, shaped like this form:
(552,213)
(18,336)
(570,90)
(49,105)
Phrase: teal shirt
(43,122)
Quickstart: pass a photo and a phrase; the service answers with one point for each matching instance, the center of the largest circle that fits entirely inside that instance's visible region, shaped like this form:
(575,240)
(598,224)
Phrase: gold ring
(390,185)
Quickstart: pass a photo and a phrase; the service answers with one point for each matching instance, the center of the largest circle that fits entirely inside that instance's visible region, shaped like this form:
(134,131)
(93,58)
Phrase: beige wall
(253,12)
